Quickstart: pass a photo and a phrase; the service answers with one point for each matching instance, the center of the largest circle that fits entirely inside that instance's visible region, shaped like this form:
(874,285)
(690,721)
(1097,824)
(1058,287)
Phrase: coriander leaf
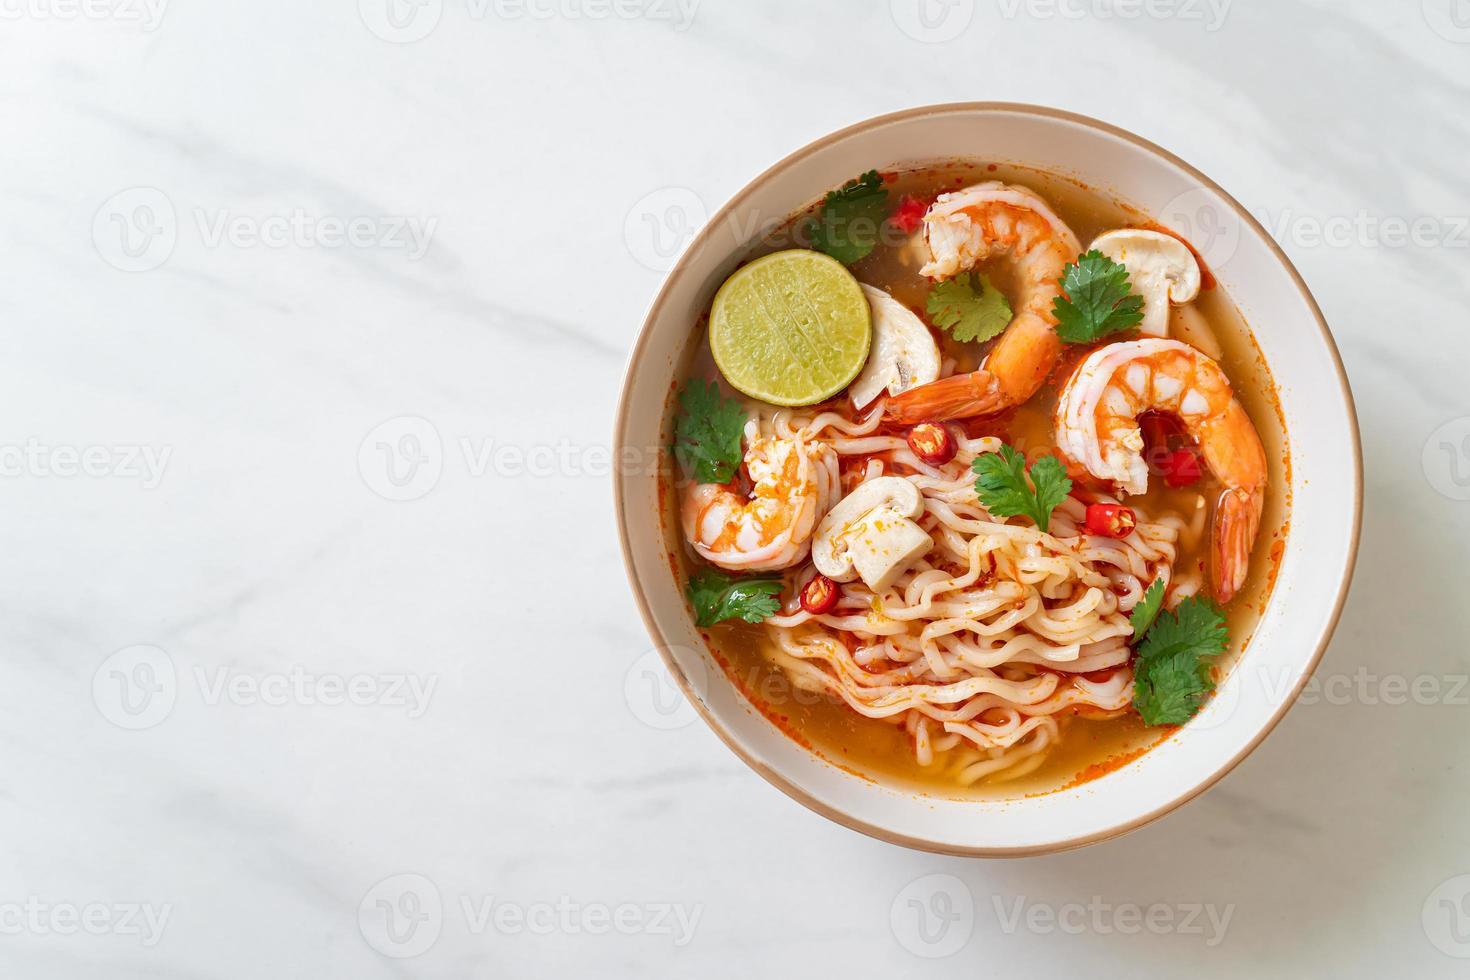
(1001,483)
(1170,689)
(847,226)
(1147,610)
(707,433)
(1052,487)
(717,597)
(1194,624)
(969,307)
(1097,300)
(1172,673)
(1003,489)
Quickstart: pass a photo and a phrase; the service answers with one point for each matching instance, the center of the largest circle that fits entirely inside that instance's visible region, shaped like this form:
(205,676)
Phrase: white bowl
(1326,477)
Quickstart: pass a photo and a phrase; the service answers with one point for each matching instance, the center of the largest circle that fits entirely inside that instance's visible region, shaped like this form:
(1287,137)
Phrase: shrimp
(795,482)
(1097,427)
(961,230)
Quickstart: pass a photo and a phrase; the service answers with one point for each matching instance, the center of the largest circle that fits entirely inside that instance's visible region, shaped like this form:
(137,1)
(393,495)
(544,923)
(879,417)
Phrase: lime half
(791,328)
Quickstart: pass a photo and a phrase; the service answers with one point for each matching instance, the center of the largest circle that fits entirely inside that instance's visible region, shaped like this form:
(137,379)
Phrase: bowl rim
(663,643)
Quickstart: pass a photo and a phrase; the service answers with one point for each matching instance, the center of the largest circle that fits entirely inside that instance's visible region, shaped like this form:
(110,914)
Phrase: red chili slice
(909,214)
(1110,520)
(820,595)
(932,443)
(1180,468)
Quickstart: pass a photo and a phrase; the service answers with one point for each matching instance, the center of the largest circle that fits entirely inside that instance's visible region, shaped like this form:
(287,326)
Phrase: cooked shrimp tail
(1237,518)
(957,397)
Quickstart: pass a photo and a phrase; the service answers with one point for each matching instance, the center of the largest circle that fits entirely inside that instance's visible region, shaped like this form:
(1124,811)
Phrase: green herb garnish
(1147,610)
(1097,300)
(717,597)
(847,226)
(1003,489)
(707,433)
(1171,676)
(969,307)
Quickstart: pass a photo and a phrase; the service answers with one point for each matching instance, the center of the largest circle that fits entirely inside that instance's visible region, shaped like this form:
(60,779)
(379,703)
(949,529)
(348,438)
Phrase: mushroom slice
(1160,267)
(904,353)
(871,534)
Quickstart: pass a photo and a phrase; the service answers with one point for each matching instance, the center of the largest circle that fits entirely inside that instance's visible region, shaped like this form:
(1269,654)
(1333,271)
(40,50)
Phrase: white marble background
(215,759)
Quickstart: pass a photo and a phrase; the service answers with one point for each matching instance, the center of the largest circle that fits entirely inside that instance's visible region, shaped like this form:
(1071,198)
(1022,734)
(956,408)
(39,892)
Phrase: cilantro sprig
(717,597)
(847,227)
(1171,676)
(1004,490)
(1147,610)
(1097,301)
(707,433)
(969,307)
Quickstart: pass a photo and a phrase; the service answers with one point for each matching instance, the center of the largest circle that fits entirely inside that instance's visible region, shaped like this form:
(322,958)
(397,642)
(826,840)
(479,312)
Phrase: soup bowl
(1325,477)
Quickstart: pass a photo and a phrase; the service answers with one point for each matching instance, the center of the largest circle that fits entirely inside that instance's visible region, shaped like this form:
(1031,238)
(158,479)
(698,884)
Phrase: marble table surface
(318,658)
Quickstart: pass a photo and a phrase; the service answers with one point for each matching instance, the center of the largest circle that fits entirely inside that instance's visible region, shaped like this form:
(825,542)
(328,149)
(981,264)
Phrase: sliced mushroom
(904,353)
(1190,326)
(1161,269)
(871,534)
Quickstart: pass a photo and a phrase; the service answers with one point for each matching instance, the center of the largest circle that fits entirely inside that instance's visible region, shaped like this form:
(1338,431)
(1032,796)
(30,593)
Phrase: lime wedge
(791,328)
